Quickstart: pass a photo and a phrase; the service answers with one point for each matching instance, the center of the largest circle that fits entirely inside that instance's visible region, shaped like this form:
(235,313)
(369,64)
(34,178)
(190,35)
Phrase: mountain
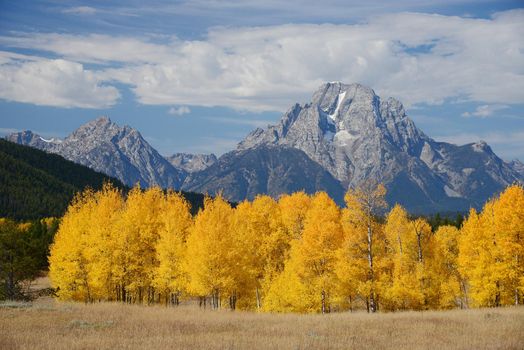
(346,135)
(269,170)
(36,184)
(517,166)
(120,152)
(191,163)
(355,135)
(29,138)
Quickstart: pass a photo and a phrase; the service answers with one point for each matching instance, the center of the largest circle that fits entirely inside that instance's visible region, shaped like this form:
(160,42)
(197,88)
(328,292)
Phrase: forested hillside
(35,184)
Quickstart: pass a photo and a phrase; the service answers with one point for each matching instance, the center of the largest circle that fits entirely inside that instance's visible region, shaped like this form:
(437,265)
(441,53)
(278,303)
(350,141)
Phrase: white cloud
(418,58)
(80,10)
(57,83)
(216,145)
(485,111)
(179,111)
(260,123)
(7,131)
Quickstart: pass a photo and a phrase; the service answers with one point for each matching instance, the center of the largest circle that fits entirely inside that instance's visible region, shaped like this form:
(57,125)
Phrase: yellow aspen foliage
(259,223)
(490,250)
(364,243)
(290,291)
(170,279)
(471,249)
(68,268)
(138,233)
(101,243)
(209,261)
(293,210)
(402,290)
(423,255)
(298,254)
(248,256)
(321,238)
(509,226)
(445,267)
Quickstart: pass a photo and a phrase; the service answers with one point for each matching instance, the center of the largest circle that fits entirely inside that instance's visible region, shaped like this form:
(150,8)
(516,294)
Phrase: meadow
(50,324)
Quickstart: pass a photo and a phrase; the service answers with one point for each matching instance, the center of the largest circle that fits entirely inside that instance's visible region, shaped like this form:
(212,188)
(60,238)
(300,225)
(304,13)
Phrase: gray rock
(517,166)
(355,135)
(117,151)
(191,163)
(271,170)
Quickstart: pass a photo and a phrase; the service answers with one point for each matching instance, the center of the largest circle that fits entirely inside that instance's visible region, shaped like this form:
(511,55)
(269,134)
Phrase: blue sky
(197,76)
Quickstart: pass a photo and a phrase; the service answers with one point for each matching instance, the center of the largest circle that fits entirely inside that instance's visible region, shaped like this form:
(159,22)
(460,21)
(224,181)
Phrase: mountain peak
(27,137)
(104,119)
(104,146)
(355,135)
(481,146)
(328,95)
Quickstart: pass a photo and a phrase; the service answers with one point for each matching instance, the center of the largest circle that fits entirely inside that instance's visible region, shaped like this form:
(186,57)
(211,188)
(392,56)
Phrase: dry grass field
(47,324)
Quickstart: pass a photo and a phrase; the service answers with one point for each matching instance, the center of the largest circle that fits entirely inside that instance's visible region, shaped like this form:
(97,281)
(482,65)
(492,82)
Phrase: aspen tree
(138,233)
(444,265)
(68,266)
(364,204)
(490,250)
(479,258)
(289,290)
(403,291)
(170,279)
(321,238)
(209,262)
(101,242)
(293,208)
(509,222)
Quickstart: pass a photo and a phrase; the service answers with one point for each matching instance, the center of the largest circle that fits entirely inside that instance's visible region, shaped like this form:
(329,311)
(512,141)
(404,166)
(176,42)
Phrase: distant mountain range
(344,136)
(117,151)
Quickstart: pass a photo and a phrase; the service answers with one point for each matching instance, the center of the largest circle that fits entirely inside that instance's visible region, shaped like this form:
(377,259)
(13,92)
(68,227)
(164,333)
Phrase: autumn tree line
(300,253)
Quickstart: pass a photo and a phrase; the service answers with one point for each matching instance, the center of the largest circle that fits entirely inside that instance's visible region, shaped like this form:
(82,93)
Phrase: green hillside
(35,184)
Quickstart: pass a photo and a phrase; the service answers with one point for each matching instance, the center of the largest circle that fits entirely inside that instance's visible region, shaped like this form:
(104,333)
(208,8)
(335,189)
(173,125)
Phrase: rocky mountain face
(271,170)
(117,151)
(355,135)
(191,163)
(344,136)
(29,138)
(518,166)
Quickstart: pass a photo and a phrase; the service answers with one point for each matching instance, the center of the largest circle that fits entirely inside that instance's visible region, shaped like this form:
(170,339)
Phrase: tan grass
(47,324)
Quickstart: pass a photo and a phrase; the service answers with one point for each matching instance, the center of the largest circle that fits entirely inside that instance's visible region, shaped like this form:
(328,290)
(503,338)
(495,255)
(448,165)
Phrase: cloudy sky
(197,75)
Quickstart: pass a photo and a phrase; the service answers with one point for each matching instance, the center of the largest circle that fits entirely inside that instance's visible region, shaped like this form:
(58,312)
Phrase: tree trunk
(419,238)
(258,299)
(497,295)
(372,306)
(323,296)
